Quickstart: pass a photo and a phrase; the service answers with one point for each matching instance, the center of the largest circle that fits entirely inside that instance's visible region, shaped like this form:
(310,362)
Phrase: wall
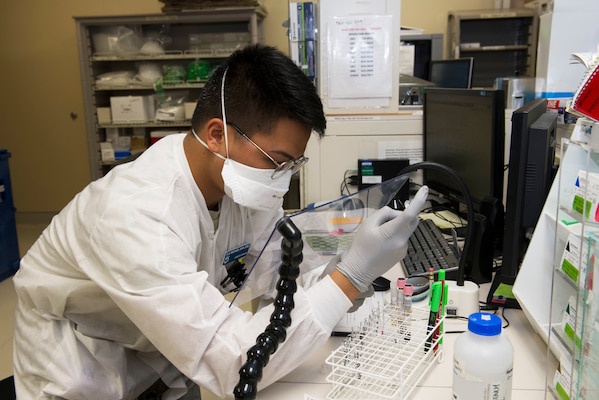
(41,109)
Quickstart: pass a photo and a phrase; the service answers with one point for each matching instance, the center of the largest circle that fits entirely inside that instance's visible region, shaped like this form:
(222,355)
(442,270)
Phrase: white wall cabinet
(350,138)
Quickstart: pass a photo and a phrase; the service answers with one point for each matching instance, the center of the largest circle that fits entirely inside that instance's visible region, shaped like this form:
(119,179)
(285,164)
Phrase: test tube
(401,282)
(431,276)
(393,295)
(408,291)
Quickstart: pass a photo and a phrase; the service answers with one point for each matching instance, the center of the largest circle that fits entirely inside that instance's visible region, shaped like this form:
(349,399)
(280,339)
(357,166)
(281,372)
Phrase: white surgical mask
(247,186)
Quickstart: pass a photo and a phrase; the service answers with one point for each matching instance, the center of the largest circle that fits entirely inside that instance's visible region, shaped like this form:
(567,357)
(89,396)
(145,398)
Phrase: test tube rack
(386,356)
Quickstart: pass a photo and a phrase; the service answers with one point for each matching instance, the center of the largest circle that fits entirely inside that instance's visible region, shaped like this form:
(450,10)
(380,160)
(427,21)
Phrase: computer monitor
(530,175)
(453,73)
(374,171)
(464,129)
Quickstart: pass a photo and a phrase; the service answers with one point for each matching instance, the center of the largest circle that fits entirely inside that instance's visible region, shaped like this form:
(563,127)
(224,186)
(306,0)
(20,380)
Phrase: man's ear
(215,135)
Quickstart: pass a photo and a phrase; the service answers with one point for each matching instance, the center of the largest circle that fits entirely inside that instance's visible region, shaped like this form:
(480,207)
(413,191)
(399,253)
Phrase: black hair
(262,85)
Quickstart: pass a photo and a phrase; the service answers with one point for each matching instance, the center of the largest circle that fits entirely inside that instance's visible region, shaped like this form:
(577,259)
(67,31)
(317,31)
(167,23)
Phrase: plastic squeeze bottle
(483,360)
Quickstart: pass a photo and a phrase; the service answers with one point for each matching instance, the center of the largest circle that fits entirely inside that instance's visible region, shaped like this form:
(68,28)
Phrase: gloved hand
(358,301)
(381,242)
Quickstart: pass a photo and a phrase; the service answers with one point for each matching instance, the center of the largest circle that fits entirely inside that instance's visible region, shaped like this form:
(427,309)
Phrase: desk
(308,381)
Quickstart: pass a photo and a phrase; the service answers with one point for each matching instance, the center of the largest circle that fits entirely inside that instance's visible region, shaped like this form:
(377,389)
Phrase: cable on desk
(503,316)
(436,210)
(348,180)
(456,317)
(485,307)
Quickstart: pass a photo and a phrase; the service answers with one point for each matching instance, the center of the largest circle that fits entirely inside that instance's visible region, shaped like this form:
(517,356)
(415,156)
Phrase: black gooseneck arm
(276,332)
(469,212)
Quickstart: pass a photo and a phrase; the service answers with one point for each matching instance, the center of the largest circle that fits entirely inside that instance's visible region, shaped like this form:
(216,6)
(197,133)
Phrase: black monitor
(453,73)
(374,171)
(530,175)
(464,129)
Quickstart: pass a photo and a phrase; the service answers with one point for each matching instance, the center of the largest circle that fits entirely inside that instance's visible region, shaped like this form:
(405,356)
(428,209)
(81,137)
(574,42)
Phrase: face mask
(253,187)
(247,186)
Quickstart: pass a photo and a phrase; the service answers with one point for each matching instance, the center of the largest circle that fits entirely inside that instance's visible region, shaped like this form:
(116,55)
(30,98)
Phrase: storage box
(586,195)
(157,135)
(104,115)
(106,151)
(132,108)
(9,248)
(189,109)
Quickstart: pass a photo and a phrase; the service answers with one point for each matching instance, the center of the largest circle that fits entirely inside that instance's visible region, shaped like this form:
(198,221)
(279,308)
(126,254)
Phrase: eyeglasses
(281,168)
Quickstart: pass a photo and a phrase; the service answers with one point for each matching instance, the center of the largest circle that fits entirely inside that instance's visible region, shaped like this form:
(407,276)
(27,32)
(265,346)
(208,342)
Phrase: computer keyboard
(427,247)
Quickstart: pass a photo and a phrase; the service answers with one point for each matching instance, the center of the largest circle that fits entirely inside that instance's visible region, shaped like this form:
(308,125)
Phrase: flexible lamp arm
(469,212)
(276,332)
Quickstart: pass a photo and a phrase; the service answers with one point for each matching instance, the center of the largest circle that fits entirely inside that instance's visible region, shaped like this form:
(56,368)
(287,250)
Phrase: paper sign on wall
(359,57)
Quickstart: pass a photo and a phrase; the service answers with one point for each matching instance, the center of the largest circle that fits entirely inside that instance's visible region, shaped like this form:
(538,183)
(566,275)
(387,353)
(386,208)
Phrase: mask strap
(206,145)
(222,104)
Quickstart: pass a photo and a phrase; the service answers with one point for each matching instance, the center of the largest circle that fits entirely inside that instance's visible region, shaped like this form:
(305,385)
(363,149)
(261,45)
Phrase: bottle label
(468,386)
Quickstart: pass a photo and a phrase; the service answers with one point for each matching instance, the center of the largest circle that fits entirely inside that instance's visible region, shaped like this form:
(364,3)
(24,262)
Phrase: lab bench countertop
(308,381)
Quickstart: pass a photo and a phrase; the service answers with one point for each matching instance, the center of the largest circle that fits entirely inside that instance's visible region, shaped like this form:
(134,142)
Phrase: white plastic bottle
(483,360)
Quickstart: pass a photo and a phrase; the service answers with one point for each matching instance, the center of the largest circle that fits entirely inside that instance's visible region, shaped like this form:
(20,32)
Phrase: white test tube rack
(386,357)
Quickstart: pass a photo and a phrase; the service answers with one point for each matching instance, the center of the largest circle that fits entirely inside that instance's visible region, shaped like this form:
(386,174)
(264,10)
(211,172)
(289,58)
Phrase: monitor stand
(500,293)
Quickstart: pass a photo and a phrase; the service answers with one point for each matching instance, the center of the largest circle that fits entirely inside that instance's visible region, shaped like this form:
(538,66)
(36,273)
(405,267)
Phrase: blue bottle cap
(484,324)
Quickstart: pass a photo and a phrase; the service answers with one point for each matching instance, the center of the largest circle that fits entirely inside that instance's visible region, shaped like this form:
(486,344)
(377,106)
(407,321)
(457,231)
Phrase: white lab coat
(123,288)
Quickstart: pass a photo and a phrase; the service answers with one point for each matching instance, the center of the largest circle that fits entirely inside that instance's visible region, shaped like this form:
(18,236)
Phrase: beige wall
(39,72)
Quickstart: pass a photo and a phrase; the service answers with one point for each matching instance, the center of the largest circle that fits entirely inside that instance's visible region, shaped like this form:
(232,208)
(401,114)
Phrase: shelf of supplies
(565,341)
(566,278)
(205,35)
(145,86)
(168,55)
(465,49)
(591,225)
(147,124)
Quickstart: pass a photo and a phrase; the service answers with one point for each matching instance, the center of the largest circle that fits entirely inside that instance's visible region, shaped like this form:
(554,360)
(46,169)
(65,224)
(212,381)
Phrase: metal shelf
(145,86)
(147,124)
(502,42)
(469,49)
(245,20)
(222,52)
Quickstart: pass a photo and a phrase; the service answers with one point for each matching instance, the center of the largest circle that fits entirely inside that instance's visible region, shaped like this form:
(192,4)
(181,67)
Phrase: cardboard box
(106,151)
(189,109)
(157,135)
(104,115)
(132,108)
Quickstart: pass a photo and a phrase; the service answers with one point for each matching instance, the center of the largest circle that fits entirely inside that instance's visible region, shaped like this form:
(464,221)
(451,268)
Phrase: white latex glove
(381,242)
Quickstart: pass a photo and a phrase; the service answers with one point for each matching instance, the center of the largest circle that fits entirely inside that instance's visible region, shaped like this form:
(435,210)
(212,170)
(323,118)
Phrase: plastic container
(483,360)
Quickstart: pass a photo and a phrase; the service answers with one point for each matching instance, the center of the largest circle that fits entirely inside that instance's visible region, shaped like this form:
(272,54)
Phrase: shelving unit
(574,325)
(237,25)
(503,43)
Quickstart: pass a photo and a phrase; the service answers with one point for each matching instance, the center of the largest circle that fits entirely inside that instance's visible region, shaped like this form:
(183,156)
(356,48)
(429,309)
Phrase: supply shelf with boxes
(556,284)
(501,42)
(574,325)
(142,74)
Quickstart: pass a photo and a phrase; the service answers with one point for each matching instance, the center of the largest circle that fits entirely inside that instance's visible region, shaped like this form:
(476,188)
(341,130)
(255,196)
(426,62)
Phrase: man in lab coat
(121,295)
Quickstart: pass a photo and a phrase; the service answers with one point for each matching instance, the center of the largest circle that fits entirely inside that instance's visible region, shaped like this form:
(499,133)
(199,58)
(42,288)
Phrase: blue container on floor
(9,246)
